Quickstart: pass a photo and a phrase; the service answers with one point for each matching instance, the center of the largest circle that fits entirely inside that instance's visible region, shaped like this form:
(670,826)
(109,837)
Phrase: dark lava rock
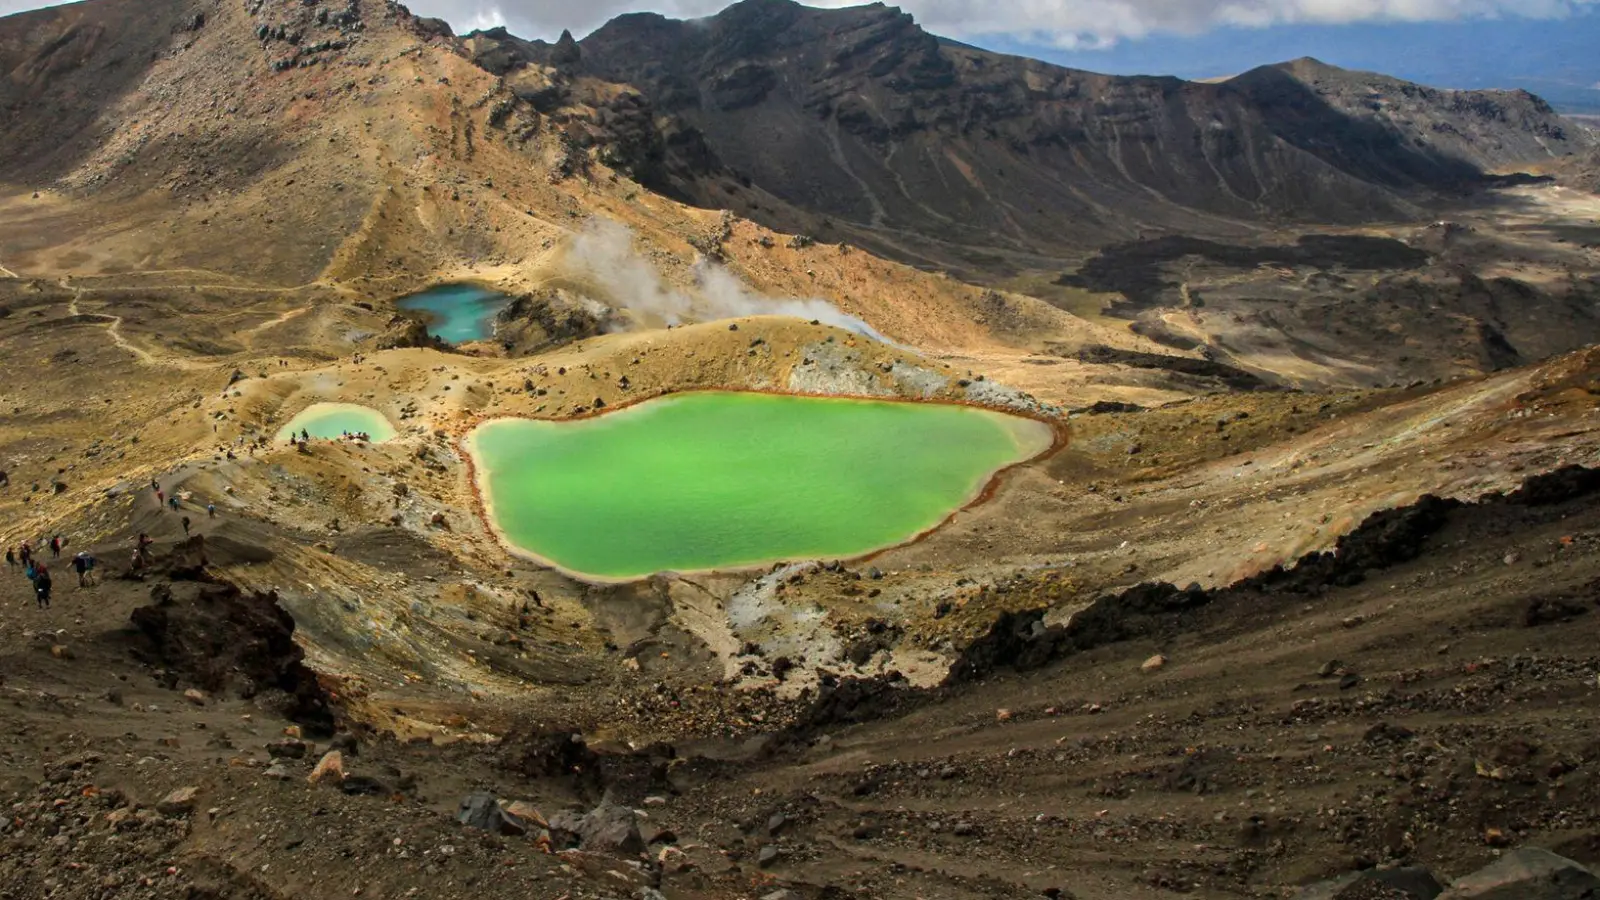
(482,811)
(222,638)
(1527,874)
(289,748)
(608,828)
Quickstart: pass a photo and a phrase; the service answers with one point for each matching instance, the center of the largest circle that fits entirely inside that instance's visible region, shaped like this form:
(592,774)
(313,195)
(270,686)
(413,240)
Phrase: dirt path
(114,331)
(255,331)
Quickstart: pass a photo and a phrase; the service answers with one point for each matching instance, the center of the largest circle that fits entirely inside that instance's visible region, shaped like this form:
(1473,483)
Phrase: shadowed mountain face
(867,128)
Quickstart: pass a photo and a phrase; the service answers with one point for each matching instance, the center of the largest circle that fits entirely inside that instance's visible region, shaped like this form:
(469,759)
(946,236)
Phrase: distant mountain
(1554,58)
(858,125)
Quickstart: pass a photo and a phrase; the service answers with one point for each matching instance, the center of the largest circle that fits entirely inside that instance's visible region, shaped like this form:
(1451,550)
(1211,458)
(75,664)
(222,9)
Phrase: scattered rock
(288,748)
(178,803)
(62,651)
(1153,663)
(527,812)
(330,769)
(198,698)
(1405,883)
(767,856)
(278,772)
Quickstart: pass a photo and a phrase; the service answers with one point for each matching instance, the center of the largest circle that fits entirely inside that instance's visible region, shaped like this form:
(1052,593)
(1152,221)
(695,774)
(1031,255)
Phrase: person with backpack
(42,585)
(83,564)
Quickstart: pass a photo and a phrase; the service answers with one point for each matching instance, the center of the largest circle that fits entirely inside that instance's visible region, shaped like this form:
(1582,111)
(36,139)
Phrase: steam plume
(603,254)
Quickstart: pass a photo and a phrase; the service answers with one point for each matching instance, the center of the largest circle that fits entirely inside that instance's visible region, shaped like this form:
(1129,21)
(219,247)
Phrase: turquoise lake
(457,313)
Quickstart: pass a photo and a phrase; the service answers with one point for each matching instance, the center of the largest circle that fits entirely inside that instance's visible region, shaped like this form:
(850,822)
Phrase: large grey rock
(608,828)
(1527,874)
(1408,883)
(482,811)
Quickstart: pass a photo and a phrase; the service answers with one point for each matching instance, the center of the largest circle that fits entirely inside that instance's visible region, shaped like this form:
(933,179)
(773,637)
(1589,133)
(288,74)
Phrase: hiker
(81,564)
(41,586)
(172,502)
(305,435)
(55,547)
(155,485)
(211,510)
(185,526)
(161,497)
(5,478)
(27,555)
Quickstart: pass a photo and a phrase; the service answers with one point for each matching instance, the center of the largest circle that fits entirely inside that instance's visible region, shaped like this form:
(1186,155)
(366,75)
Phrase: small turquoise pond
(331,421)
(457,313)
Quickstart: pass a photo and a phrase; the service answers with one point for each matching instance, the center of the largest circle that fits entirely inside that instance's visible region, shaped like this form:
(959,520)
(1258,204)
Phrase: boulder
(1153,663)
(1527,874)
(1406,883)
(608,828)
(482,811)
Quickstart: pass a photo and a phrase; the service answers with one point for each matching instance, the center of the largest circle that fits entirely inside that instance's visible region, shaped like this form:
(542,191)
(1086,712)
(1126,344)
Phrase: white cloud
(1071,23)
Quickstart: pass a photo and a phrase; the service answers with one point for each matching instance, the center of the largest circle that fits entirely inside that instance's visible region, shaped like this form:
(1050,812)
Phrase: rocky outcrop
(224,640)
(540,321)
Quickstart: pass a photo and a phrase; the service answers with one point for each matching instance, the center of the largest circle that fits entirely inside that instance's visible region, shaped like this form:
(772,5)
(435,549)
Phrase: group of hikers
(174,504)
(31,562)
(28,557)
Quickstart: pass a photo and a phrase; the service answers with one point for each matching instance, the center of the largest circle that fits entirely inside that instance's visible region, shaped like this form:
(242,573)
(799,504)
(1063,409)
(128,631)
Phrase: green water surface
(328,421)
(723,480)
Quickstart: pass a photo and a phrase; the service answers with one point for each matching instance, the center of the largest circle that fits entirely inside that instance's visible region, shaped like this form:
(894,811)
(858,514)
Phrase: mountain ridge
(874,130)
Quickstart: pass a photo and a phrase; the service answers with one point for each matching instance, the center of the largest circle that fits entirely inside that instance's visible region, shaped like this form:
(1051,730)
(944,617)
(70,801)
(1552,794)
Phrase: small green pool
(726,480)
(330,421)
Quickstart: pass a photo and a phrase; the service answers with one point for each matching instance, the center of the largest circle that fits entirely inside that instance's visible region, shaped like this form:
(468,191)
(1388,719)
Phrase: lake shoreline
(1053,437)
(324,409)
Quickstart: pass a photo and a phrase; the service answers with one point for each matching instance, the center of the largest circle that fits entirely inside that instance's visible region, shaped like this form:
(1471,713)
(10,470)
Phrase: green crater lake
(457,313)
(330,421)
(721,480)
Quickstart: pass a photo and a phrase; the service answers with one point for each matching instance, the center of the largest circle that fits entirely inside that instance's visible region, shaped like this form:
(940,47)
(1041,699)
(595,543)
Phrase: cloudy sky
(1062,23)
(1059,23)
